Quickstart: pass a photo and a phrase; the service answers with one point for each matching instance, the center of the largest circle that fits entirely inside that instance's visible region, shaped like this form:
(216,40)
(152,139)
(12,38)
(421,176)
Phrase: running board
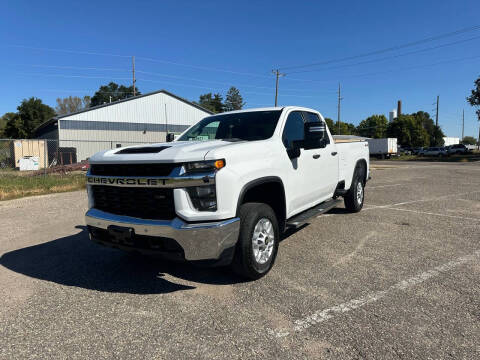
(319,209)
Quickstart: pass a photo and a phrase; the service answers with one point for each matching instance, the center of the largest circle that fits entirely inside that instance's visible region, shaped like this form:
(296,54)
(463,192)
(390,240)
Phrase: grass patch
(451,158)
(13,185)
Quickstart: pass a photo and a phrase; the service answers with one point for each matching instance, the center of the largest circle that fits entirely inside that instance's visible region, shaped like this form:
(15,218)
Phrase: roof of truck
(272,108)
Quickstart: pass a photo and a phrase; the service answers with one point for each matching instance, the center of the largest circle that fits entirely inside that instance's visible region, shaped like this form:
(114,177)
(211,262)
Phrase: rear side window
(293,129)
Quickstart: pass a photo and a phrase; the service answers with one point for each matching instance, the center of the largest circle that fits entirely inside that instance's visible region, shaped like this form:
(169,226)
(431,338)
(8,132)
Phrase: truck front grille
(132,169)
(143,203)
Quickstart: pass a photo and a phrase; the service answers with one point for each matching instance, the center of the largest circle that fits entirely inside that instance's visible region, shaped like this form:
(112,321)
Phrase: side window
(311,117)
(293,129)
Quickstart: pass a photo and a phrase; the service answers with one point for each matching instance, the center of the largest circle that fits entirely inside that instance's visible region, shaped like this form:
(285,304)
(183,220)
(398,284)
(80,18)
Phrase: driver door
(324,163)
(304,186)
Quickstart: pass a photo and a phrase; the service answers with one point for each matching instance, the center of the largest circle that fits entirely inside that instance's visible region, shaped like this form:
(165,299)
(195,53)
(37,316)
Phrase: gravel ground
(397,280)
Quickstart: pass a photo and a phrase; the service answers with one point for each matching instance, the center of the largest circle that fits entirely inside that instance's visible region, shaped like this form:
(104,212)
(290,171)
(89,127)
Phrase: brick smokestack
(399,108)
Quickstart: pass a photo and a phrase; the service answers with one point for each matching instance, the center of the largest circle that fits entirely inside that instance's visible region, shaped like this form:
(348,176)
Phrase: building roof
(56,118)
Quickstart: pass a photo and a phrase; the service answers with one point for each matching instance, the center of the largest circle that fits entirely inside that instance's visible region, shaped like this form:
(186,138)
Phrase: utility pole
(277,75)
(436,120)
(463,122)
(166,121)
(338,108)
(133,72)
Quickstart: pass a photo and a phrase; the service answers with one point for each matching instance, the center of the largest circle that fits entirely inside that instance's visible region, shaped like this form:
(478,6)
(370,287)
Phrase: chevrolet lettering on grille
(121,181)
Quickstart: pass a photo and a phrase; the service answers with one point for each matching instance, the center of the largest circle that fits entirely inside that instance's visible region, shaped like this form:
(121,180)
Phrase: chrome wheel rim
(359,193)
(263,240)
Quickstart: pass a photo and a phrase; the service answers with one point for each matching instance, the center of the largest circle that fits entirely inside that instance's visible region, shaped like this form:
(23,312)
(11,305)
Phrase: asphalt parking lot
(400,279)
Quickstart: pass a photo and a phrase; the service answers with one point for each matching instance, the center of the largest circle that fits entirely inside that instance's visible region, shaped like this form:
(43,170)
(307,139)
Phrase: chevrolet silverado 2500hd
(226,189)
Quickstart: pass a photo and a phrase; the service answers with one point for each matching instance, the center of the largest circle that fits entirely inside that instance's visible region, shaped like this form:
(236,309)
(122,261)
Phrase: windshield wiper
(233,139)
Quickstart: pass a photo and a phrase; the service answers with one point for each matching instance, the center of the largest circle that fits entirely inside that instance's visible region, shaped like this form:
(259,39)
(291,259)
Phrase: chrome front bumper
(200,241)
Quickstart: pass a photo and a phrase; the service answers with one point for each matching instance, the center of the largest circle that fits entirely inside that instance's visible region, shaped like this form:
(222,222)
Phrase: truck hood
(181,151)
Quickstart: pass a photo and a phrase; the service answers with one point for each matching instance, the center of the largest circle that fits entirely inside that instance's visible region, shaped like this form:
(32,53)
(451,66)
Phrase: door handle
(334,153)
(316,156)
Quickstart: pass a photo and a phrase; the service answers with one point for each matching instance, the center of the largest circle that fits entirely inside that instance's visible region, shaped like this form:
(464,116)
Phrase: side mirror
(293,152)
(170,137)
(315,135)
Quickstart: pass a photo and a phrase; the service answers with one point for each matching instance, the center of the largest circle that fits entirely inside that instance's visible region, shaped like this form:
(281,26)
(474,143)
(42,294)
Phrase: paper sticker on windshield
(201,137)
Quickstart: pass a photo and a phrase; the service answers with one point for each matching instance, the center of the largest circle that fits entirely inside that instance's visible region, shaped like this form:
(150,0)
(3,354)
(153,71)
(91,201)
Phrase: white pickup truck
(226,189)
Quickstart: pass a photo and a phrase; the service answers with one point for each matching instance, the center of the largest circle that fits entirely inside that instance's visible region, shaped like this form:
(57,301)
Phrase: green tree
(474,98)
(374,126)
(469,140)
(330,125)
(3,122)
(409,131)
(112,92)
(211,102)
(31,113)
(72,104)
(345,129)
(233,100)
(435,133)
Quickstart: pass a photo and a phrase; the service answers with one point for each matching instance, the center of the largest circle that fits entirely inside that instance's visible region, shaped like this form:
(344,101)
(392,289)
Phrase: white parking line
(420,200)
(433,214)
(329,313)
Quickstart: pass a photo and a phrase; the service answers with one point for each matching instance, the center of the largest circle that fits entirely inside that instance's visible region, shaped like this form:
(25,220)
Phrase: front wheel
(355,196)
(258,240)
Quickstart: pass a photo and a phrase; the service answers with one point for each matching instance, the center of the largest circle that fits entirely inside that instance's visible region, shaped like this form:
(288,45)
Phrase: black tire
(244,262)
(351,199)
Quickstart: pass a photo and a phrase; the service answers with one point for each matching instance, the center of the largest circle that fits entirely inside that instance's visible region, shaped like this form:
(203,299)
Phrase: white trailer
(450,140)
(383,148)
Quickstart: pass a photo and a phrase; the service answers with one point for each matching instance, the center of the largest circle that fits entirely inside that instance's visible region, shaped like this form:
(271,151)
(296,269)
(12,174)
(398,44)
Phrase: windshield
(249,126)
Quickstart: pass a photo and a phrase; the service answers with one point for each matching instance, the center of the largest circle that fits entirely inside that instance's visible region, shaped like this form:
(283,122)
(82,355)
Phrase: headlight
(204,198)
(203,166)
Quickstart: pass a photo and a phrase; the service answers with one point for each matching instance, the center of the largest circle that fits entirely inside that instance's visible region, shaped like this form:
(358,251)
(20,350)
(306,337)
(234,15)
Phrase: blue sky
(206,46)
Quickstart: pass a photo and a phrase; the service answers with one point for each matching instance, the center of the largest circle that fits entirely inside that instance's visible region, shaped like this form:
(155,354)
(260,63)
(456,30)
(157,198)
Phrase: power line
(76,67)
(77,76)
(381,51)
(207,87)
(388,57)
(204,68)
(70,51)
(81,52)
(416,66)
(213,82)
(86,91)
(150,80)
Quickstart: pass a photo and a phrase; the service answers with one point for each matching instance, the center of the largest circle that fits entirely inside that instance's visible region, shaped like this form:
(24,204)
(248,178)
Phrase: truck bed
(350,151)
(347,138)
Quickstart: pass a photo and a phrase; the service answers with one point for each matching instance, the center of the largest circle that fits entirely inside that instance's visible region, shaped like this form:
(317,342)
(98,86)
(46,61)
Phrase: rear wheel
(257,244)
(356,195)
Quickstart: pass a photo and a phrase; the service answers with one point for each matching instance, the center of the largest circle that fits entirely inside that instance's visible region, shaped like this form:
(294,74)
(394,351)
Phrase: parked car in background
(458,149)
(433,151)
(416,150)
(404,150)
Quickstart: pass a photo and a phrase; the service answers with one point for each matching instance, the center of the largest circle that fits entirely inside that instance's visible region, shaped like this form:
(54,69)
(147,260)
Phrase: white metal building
(140,119)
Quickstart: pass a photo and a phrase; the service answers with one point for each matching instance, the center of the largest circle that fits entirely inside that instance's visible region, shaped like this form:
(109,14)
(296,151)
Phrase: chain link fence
(46,156)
